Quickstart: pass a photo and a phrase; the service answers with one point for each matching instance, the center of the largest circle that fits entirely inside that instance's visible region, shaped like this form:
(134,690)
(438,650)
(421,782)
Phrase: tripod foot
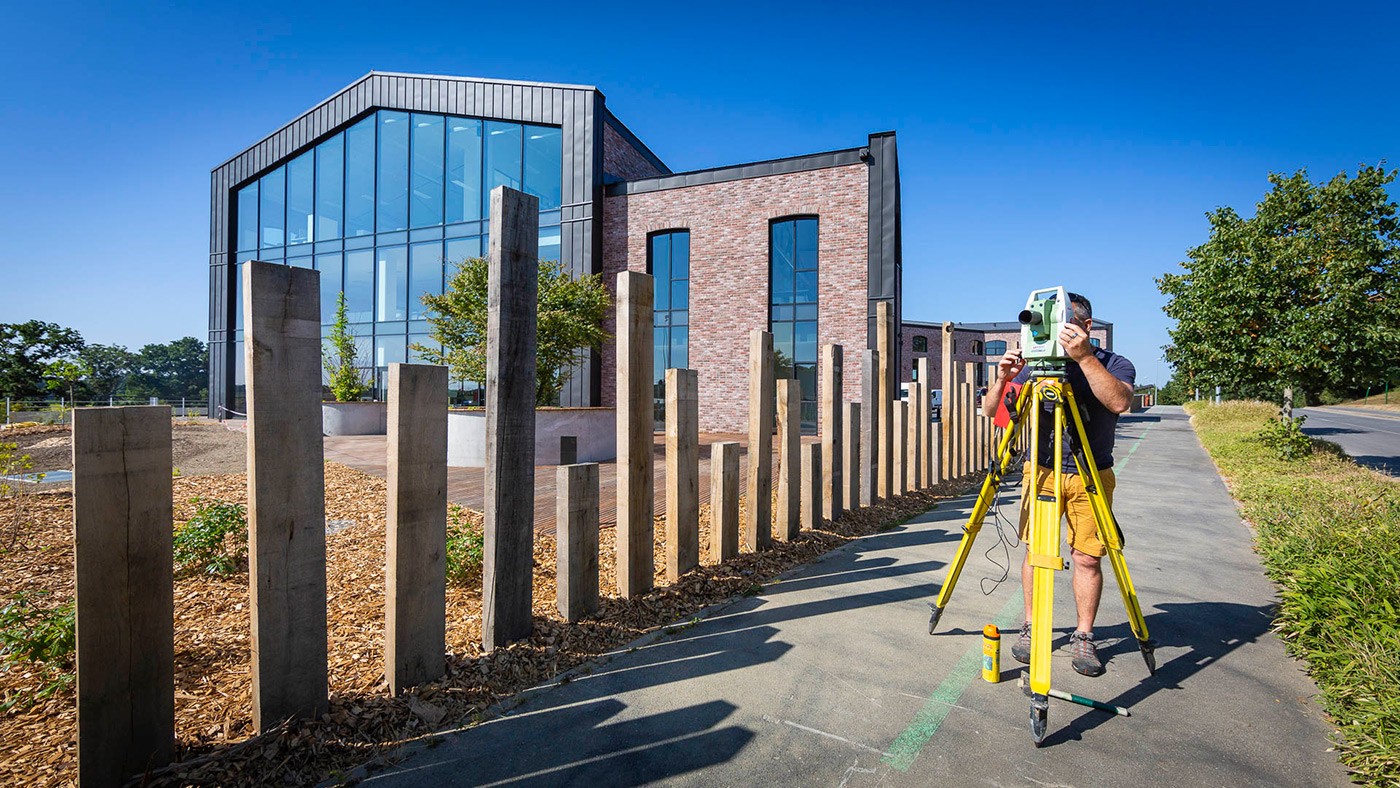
(933,619)
(1040,717)
(1148,647)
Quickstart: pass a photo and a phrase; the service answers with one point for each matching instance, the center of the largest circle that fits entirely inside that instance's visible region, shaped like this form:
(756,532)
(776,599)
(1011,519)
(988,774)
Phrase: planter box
(355,418)
(595,428)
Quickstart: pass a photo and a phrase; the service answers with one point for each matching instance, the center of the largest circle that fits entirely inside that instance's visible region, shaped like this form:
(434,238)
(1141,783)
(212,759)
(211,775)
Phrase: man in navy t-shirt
(1102,383)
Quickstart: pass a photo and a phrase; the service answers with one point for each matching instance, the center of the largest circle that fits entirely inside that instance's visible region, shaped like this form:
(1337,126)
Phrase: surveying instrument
(1048,391)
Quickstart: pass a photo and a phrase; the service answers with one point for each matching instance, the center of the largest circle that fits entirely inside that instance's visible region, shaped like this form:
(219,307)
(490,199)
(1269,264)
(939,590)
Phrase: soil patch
(197,448)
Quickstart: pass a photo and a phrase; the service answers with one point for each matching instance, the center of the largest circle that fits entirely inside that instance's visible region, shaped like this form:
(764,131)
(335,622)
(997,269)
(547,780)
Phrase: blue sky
(1039,144)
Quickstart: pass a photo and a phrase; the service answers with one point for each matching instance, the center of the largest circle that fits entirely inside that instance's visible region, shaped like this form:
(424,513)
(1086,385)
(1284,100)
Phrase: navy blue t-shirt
(1099,422)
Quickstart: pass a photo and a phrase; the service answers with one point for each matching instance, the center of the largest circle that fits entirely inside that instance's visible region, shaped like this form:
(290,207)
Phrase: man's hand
(1076,342)
(1010,365)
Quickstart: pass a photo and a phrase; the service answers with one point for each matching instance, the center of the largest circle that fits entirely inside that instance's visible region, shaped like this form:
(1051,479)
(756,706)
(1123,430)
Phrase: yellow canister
(991,653)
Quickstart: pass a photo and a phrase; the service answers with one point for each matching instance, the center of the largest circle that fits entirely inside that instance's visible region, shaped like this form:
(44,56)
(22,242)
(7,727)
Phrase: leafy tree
(173,370)
(347,381)
(63,375)
(26,349)
(570,318)
(1175,392)
(108,368)
(1304,294)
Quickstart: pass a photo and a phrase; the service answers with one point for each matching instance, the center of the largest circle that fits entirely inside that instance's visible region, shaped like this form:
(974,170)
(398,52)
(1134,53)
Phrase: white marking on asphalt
(800,727)
(854,768)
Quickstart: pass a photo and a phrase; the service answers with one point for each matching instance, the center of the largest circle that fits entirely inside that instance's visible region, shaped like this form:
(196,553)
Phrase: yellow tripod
(1048,390)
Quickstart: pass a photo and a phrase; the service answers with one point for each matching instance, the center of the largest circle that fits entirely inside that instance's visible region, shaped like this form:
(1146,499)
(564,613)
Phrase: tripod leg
(1112,537)
(974,523)
(1045,560)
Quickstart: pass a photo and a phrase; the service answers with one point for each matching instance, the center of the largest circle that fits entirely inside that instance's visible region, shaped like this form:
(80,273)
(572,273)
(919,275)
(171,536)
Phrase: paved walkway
(467,486)
(830,678)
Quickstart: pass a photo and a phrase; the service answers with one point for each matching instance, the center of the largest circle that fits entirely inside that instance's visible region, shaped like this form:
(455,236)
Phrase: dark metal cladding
(886,254)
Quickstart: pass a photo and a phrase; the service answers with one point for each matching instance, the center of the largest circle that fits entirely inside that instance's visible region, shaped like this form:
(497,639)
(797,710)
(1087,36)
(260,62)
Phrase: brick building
(981,343)
(384,186)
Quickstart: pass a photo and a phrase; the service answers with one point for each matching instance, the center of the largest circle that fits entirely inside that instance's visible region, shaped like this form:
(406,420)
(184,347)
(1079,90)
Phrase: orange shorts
(1074,506)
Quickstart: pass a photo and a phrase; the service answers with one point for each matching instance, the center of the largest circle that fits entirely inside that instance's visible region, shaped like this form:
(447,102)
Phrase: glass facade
(792,256)
(996,347)
(383,209)
(668,262)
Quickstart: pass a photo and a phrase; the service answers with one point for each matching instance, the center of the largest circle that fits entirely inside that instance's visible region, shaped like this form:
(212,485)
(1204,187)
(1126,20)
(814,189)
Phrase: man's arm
(1115,394)
(1008,368)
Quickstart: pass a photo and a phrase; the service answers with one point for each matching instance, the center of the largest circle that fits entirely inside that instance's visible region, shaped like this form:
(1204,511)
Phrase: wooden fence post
(415,585)
(788,516)
(911,443)
(125,592)
(507,582)
(884,329)
(286,492)
(758,528)
(635,426)
(949,416)
(811,487)
(682,472)
(576,530)
(851,446)
(869,427)
(724,500)
(833,379)
(900,454)
(927,476)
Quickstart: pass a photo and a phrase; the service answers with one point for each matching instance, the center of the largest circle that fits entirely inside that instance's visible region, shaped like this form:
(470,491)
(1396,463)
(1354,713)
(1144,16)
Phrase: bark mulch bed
(364,725)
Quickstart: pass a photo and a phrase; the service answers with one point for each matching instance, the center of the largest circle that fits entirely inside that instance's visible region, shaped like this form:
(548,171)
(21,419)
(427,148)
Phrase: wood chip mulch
(364,724)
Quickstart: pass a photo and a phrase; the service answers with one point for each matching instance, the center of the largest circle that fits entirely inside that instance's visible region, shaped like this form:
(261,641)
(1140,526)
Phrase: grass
(1378,401)
(1328,532)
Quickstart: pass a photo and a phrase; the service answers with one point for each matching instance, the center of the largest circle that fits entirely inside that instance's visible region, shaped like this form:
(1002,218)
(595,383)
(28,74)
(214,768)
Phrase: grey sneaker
(1086,656)
(1022,649)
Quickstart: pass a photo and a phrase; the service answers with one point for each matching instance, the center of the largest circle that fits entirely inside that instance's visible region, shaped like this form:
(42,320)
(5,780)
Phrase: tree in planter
(347,381)
(569,318)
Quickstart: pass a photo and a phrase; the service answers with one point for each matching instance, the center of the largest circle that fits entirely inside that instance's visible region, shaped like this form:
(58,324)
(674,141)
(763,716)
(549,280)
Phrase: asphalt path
(829,677)
(1372,438)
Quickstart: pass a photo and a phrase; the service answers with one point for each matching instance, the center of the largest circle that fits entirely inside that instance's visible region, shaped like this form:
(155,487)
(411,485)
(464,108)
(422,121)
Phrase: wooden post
(788,516)
(724,500)
(900,453)
(635,426)
(415,566)
(928,448)
(125,592)
(811,486)
(911,443)
(936,435)
(576,533)
(869,427)
(947,448)
(758,528)
(682,472)
(968,410)
(568,449)
(507,583)
(833,379)
(851,445)
(884,327)
(286,492)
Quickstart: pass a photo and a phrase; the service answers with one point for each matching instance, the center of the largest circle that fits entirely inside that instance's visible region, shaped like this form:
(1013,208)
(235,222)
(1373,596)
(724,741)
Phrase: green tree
(1304,294)
(175,370)
(570,318)
(63,376)
(347,382)
(108,368)
(26,349)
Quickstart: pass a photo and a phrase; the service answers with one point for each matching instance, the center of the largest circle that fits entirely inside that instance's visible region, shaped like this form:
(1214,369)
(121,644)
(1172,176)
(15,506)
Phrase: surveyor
(1102,383)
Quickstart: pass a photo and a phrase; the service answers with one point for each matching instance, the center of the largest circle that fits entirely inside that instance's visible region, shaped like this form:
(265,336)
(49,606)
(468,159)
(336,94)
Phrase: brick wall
(728,225)
(623,160)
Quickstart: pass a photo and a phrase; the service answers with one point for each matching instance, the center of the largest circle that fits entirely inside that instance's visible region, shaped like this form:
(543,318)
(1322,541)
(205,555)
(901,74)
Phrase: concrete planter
(595,428)
(354,418)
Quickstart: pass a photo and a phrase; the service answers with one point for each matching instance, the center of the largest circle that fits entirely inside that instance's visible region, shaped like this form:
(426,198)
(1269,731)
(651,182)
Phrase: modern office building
(385,185)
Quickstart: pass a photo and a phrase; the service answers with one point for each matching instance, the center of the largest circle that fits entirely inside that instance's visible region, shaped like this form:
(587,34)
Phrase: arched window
(668,262)
(976,347)
(920,344)
(792,258)
(996,348)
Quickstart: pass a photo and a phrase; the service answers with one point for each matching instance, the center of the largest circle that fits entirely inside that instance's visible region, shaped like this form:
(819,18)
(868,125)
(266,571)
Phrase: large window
(996,347)
(920,343)
(792,255)
(668,262)
(387,207)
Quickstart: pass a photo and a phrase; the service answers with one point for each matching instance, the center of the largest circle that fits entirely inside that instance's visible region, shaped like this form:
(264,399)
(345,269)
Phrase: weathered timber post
(969,409)
(869,427)
(576,533)
(724,500)
(851,460)
(936,458)
(286,492)
(126,595)
(884,328)
(948,454)
(911,443)
(811,486)
(682,472)
(415,585)
(788,515)
(758,528)
(928,449)
(635,425)
(833,379)
(507,583)
(900,453)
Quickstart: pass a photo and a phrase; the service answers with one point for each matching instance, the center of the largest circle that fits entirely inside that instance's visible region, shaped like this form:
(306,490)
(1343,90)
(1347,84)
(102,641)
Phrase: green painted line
(901,754)
(1133,450)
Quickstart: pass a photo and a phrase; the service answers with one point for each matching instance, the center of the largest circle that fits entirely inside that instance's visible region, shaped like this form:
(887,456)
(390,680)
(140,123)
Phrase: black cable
(1007,544)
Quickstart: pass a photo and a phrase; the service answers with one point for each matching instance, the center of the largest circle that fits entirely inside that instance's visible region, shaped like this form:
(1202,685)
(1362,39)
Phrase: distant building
(980,343)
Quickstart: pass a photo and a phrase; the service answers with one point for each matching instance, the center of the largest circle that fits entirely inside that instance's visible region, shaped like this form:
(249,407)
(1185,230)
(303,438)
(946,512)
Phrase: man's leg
(1087,553)
(1088,588)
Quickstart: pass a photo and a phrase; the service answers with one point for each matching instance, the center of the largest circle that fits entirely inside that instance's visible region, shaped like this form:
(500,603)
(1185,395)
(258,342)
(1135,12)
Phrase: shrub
(45,638)
(466,545)
(1285,438)
(214,541)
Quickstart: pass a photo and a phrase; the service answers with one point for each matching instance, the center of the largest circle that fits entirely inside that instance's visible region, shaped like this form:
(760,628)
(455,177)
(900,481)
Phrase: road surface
(1371,437)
